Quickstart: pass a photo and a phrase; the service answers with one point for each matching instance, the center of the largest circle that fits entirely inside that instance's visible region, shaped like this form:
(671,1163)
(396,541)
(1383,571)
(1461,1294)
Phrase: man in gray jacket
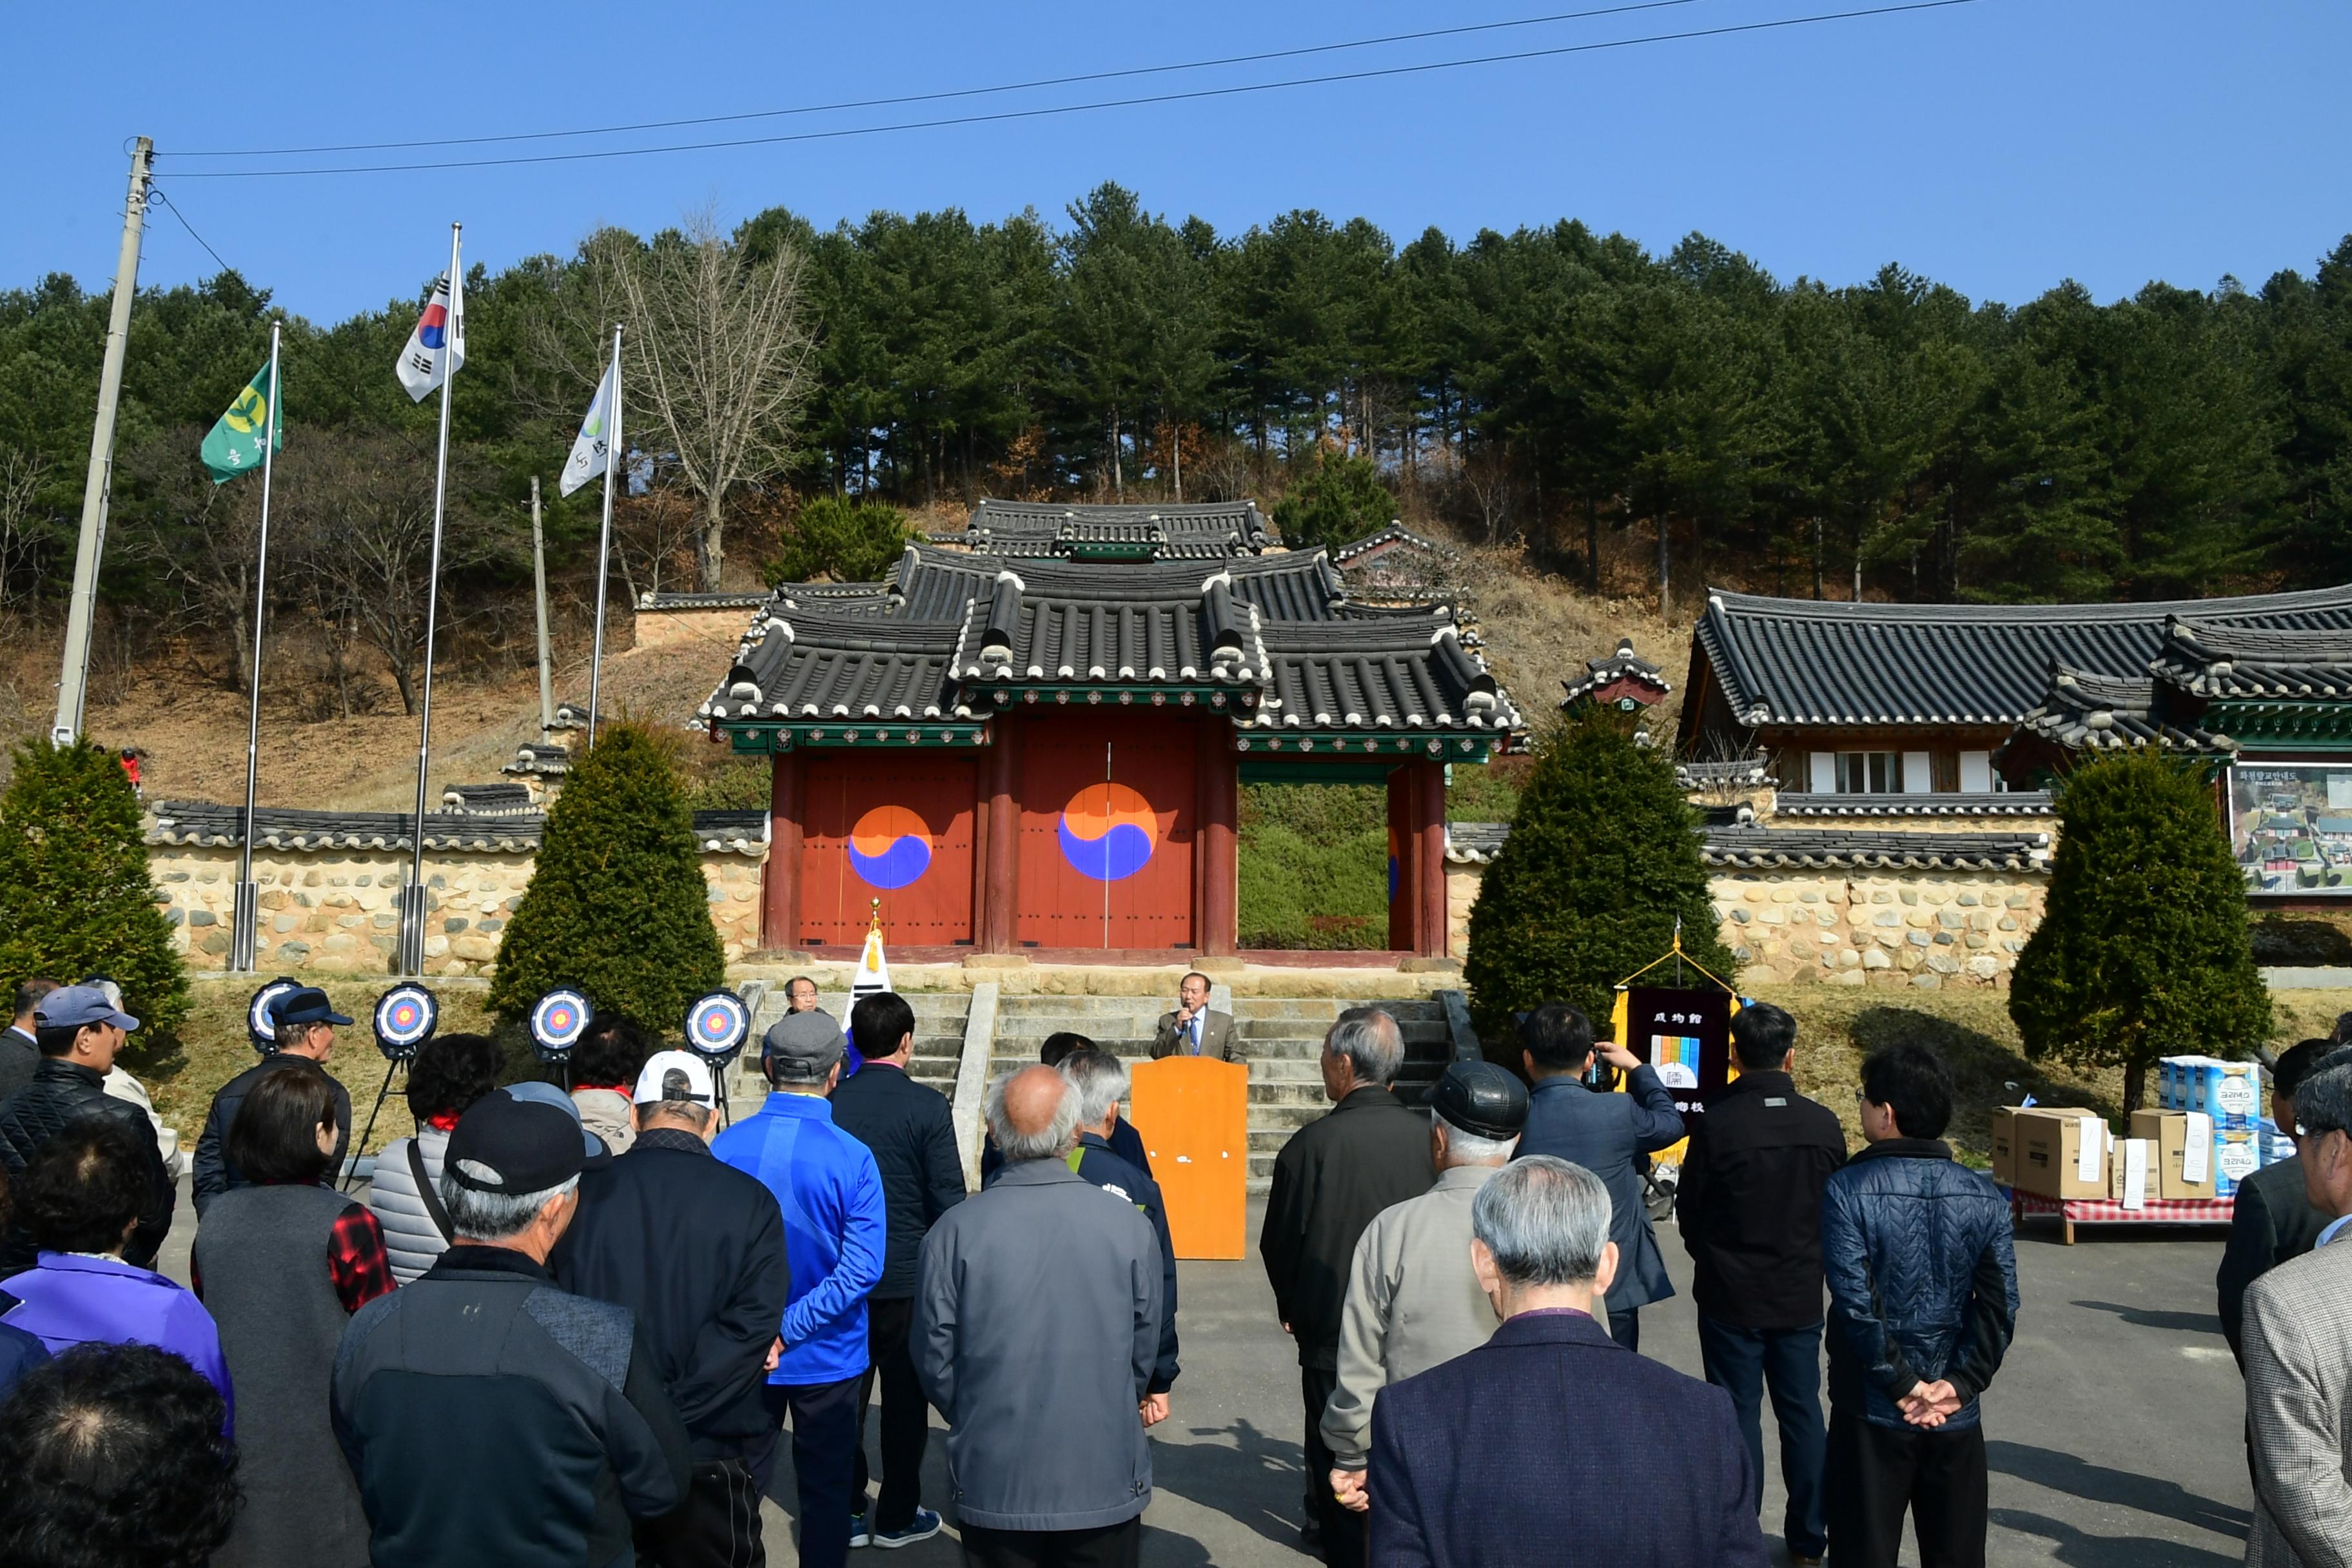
(1414,1299)
(1041,1281)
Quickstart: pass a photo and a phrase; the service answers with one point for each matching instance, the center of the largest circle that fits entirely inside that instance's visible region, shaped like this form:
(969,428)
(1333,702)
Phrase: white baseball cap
(675,1075)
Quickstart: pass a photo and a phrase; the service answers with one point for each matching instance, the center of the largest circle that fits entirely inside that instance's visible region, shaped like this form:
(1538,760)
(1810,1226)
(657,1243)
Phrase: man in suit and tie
(2298,1354)
(1644,1465)
(1195,1029)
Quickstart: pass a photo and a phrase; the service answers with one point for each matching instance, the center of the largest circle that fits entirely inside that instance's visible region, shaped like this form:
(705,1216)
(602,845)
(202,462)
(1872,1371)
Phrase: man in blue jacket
(1923,1300)
(830,1193)
(1605,1133)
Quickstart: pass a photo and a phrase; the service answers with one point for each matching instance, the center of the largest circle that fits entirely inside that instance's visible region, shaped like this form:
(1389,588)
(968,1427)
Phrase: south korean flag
(438,346)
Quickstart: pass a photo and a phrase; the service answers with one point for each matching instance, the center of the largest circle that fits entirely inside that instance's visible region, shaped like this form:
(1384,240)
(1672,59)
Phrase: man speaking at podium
(1195,1029)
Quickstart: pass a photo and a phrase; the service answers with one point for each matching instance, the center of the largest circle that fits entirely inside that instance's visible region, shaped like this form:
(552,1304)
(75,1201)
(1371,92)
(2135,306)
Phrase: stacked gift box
(2228,1098)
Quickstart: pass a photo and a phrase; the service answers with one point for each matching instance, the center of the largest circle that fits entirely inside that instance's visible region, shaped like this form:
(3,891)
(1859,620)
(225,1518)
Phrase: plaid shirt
(356,1259)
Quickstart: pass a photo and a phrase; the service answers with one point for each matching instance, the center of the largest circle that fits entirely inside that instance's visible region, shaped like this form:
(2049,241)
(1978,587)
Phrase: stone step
(1325,1009)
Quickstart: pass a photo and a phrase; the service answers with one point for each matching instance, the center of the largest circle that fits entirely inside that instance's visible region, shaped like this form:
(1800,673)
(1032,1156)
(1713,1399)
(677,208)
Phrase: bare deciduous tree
(718,361)
(22,524)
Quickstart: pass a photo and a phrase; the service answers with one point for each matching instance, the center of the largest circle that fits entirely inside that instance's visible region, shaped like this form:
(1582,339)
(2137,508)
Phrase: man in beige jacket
(2298,1351)
(1412,1298)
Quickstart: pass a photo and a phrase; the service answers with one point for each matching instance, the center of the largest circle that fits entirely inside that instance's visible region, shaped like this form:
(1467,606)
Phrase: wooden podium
(1193,1115)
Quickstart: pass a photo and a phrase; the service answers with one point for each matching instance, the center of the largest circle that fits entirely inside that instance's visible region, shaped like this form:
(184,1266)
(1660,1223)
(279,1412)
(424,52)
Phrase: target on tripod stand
(557,1021)
(716,1025)
(404,1017)
(258,1023)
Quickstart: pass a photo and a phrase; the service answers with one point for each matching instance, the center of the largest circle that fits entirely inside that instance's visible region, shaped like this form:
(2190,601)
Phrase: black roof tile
(2214,660)
(1972,803)
(197,822)
(1804,661)
(2081,712)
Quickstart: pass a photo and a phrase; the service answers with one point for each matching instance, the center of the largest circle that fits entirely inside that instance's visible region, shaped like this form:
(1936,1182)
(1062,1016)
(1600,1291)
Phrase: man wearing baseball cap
(828,1182)
(696,1250)
(1414,1299)
(303,1022)
(78,1029)
(489,1415)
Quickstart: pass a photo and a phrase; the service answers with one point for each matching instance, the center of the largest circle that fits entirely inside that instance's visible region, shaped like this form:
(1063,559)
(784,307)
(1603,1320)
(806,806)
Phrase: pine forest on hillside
(1637,422)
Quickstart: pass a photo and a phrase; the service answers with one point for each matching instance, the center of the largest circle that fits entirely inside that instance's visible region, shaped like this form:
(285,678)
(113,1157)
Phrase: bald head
(1033,1114)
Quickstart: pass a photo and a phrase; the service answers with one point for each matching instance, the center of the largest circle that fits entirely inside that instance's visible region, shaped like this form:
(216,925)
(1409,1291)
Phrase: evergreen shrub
(1337,502)
(2143,950)
(617,905)
(1604,858)
(75,895)
(847,540)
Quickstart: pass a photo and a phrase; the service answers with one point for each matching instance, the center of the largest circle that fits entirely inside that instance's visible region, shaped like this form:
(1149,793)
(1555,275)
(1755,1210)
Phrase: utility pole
(73,679)
(539,570)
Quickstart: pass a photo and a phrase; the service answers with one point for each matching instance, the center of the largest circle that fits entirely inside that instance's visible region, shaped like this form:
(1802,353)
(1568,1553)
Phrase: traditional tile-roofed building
(1623,680)
(489,800)
(203,823)
(926,750)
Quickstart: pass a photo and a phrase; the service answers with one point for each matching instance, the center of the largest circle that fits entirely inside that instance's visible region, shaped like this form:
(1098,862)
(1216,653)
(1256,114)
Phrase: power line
(1013,114)
(942,95)
(155,193)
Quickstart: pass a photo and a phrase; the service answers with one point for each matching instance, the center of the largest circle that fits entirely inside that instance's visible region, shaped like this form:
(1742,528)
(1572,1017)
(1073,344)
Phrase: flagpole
(244,939)
(411,912)
(605,541)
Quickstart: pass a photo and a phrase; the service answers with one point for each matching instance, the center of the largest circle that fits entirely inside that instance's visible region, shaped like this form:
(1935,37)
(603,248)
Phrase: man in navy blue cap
(304,1022)
(488,1415)
(78,1029)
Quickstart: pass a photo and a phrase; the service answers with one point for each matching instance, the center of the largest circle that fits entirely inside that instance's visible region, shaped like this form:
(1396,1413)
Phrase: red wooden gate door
(893,825)
(1109,810)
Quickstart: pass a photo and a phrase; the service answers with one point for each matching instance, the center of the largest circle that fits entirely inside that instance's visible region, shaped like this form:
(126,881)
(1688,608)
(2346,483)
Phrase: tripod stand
(351,1165)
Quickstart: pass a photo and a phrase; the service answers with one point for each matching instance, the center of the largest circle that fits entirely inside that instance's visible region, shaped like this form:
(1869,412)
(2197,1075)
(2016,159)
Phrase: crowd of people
(573,1327)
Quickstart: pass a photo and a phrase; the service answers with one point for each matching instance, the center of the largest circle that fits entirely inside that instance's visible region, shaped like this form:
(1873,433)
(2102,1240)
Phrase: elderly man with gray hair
(1369,1154)
(1037,1328)
(1101,1080)
(1656,1469)
(488,1415)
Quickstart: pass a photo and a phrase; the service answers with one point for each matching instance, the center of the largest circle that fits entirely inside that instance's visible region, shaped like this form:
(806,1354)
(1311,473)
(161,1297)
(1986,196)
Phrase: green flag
(233,445)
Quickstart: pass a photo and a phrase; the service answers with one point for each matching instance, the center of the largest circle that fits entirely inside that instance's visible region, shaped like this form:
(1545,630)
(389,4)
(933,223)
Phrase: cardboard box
(2060,1151)
(2237,1154)
(2171,1132)
(2004,1146)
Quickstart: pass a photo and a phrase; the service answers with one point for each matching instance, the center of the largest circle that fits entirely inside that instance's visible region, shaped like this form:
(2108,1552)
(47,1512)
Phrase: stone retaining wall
(335,910)
(1923,928)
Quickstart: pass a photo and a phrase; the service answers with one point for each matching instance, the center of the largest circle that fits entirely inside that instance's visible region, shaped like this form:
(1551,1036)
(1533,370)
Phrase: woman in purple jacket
(80,1197)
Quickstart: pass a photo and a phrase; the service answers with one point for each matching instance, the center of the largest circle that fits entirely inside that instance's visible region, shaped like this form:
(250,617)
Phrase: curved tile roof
(1805,662)
(1996,803)
(201,823)
(2081,712)
(2214,660)
(1739,847)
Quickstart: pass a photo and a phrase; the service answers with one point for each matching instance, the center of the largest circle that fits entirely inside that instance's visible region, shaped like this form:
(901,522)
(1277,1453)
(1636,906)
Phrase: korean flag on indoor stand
(592,451)
(438,346)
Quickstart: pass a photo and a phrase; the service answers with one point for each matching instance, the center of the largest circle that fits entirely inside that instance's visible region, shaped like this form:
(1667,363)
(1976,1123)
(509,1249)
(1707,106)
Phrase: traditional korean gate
(893,825)
(1110,809)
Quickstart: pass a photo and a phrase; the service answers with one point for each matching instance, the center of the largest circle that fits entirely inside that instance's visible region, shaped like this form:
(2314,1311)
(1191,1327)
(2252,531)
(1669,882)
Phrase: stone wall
(335,910)
(1923,928)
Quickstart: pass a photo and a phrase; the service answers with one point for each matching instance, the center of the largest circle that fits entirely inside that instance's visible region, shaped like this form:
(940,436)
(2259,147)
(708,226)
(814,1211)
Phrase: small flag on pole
(592,451)
(438,346)
(233,445)
(872,976)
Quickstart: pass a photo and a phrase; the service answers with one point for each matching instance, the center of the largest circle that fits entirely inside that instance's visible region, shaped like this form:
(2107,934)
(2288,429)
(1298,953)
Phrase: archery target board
(717,1024)
(557,1021)
(404,1019)
(257,1012)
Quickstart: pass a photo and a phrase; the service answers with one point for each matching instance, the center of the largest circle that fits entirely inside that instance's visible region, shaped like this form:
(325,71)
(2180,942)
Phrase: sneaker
(858,1535)
(926,1524)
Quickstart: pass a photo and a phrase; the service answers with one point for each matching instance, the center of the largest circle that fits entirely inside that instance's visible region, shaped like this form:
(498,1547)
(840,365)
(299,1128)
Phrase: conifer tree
(1601,861)
(617,906)
(1337,502)
(73,875)
(2144,950)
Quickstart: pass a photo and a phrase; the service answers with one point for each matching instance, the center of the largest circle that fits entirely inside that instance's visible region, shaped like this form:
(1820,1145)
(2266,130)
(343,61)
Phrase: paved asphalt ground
(2113,1430)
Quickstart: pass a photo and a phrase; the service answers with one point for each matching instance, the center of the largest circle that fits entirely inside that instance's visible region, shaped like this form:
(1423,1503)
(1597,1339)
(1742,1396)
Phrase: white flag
(593,451)
(873,975)
(438,346)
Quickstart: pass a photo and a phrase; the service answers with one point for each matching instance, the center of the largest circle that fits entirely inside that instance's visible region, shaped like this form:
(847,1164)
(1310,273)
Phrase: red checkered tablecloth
(2111,1211)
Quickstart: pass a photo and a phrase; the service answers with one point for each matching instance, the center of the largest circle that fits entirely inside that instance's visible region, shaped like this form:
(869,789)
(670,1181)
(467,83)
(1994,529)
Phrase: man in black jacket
(695,1249)
(912,1132)
(303,1024)
(20,1050)
(487,1415)
(79,1033)
(1750,1204)
(2273,1220)
(1333,1176)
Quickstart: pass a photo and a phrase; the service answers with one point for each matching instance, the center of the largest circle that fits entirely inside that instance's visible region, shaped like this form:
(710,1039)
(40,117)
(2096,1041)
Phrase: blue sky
(1998,146)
